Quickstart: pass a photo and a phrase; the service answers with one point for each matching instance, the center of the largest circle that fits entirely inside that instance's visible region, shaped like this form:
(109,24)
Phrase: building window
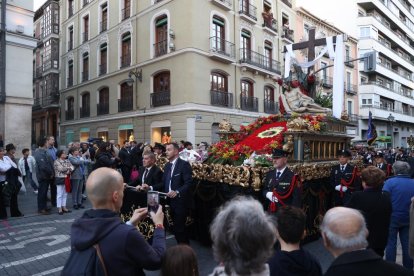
(125,103)
(85,28)
(103,59)
(218,82)
(247,101)
(245,45)
(71,7)
(50,22)
(85,105)
(364,32)
(348,81)
(85,67)
(161,36)
(70,38)
(270,106)
(103,101)
(247,88)
(70,110)
(324,72)
(347,53)
(70,73)
(161,95)
(218,90)
(126,50)
(51,54)
(349,107)
(219,35)
(268,53)
(104,17)
(126,11)
(269,93)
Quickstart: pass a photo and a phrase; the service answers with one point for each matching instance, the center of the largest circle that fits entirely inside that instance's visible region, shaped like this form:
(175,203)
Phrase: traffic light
(370,61)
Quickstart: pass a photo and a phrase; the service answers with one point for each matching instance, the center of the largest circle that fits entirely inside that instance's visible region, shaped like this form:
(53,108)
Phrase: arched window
(126,50)
(219,90)
(247,88)
(269,93)
(70,110)
(85,66)
(247,100)
(126,102)
(218,34)
(85,108)
(246,45)
(103,101)
(161,95)
(161,36)
(103,59)
(270,106)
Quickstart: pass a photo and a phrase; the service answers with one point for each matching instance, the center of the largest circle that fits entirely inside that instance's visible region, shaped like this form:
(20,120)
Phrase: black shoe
(81,206)
(60,212)
(67,211)
(76,207)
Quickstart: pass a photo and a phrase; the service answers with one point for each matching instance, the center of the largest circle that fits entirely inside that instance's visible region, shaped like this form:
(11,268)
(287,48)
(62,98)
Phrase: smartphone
(153,201)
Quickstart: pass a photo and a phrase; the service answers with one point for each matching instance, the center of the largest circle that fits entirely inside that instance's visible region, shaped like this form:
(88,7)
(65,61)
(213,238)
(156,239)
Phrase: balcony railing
(102,108)
(288,3)
(220,98)
(70,45)
(348,62)
(269,22)
(46,101)
(160,48)
(125,60)
(351,89)
(287,33)
(402,91)
(70,82)
(104,26)
(256,59)
(85,36)
(249,103)
(84,112)
(327,82)
(405,75)
(69,114)
(353,118)
(39,71)
(270,107)
(102,69)
(160,98)
(125,104)
(222,47)
(126,13)
(85,76)
(248,9)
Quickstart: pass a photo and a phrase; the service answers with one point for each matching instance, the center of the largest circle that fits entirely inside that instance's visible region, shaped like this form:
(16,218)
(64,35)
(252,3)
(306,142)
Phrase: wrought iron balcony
(125,104)
(327,82)
(102,108)
(249,103)
(220,98)
(70,82)
(85,76)
(259,60)
(160,98)
(270,107)
(219,46)
(287,33)
(351,89)
(102,69)
(125,60)
(269,22)
(353,118)
(69,114)
(84,112)
(160,48)
(104,25)
(85,36)
(248,9)
(126,13)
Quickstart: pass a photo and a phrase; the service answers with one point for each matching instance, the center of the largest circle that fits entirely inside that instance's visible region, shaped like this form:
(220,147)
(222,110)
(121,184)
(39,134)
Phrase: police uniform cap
(277,153)
(344,152)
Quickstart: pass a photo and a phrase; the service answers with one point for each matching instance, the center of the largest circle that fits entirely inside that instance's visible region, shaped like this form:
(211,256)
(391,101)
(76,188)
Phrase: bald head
(101,186)
(344,229)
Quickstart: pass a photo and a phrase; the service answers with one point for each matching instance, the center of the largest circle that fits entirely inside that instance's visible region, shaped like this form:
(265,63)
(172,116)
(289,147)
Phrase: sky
(341,14)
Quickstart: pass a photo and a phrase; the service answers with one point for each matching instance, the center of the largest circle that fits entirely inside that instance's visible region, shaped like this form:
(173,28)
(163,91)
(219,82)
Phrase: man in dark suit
(177,181)
(344,235)
(125,156)
(278,188)
(380,163)
(375,206)
(150,176)
(344,179)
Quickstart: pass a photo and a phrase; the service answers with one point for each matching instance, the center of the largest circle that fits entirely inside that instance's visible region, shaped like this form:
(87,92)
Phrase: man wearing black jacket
(124,250)
(150,176)
(126,159)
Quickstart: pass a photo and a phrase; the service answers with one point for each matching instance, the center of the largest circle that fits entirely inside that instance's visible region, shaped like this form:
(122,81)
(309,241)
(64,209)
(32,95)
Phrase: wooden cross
(310,45)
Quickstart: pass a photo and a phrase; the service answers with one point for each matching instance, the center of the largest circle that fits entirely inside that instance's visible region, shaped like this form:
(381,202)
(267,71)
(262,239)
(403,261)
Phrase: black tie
(277,175)
(342,168)
(145,175)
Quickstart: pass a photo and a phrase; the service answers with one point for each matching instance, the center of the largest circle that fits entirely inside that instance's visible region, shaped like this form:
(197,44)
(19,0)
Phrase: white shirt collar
(281,171)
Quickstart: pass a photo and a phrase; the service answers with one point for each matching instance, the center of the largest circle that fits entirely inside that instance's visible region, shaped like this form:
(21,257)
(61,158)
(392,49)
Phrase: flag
(372,131)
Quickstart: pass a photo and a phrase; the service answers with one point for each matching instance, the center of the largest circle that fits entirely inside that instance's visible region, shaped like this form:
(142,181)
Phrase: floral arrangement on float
(260,137)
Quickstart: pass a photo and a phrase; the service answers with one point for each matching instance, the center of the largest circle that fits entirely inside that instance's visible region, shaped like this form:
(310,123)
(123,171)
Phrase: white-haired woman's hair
(338,242)
(401,167)
(243,236)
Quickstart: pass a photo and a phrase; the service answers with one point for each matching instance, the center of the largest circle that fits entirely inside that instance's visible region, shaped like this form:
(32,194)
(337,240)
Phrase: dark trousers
(126,173)
(3,212)
(14,207)
(42,193)
(29,178)
(53,192)
(179,216)
(342,200)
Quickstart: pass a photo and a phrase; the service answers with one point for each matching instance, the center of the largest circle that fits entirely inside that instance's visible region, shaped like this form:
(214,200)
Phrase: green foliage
(324,100)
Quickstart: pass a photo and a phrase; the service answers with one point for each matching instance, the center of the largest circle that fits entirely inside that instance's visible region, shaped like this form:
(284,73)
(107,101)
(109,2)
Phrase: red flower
(311,79)
(280,82)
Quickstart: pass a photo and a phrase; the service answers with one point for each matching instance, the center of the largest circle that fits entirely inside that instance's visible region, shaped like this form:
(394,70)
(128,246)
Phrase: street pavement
(39,245)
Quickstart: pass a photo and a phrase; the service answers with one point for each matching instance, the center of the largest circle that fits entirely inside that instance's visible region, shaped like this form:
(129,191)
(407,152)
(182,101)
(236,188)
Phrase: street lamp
(391,120)
(137,73)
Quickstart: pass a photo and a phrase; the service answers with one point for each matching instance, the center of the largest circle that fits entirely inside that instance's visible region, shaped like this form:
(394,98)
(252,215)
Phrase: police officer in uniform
(381,164)
(280,180)
(344,179)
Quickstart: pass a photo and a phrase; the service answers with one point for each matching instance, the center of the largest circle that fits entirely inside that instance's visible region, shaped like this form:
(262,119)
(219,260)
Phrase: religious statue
(165,138)
(225,126)
(289,145)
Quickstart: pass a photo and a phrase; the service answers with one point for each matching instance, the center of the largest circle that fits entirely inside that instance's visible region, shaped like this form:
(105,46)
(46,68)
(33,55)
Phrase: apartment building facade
(16,50)
(45,110)
(165,70)
(387,27)
(305,21)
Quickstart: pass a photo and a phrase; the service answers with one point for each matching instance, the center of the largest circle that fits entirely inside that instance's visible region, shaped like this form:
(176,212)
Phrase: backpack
(88,262)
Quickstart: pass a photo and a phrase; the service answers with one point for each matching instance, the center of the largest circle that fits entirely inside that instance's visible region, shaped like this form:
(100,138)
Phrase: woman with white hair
(243,236)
